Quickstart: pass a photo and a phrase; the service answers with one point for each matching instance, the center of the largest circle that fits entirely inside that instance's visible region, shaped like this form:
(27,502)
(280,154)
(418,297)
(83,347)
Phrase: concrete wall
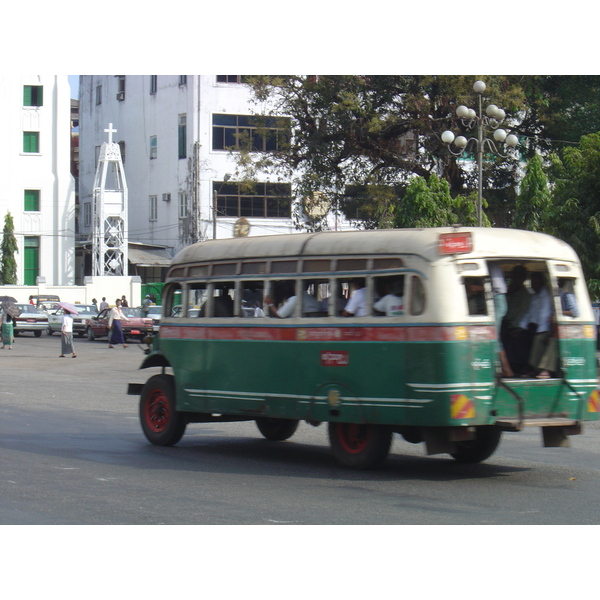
(95,287)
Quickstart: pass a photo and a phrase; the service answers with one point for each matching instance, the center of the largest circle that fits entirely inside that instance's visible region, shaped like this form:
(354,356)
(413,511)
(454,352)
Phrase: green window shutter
(31,141)
(32,200)
(33,95)
(31,260)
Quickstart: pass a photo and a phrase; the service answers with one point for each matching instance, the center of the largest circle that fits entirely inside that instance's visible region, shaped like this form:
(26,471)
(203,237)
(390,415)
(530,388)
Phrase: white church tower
(109,214)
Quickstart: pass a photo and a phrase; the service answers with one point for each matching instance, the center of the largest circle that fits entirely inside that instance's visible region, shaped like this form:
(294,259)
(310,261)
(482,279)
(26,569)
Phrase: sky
(74,83)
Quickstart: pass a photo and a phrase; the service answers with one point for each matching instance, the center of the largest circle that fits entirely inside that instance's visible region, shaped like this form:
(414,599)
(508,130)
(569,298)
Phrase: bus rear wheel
(277,430)
(483,446)
(360,446)
(162,424)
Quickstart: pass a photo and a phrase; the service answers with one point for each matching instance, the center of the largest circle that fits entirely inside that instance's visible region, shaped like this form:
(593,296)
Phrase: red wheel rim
(353,438)
(157,411)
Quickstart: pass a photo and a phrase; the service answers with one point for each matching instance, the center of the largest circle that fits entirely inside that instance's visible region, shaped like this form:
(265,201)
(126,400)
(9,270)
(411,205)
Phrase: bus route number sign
(455,243)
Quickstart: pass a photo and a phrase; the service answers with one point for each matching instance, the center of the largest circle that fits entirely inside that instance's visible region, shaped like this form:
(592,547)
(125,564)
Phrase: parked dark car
(31,319)
(138,326)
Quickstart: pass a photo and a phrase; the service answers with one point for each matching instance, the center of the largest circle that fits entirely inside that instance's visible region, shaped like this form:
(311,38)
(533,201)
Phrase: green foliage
(8,249)
(428,203)
(575,212)
(534,200)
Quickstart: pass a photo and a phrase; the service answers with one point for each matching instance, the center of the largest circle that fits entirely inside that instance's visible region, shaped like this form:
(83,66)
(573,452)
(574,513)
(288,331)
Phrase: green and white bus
(426,365)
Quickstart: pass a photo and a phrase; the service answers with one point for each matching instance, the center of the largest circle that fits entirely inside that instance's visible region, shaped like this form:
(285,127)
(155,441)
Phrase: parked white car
(55,317)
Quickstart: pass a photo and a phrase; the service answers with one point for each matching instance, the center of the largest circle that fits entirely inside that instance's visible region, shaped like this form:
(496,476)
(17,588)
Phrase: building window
(122,151)
(31,141)
(253,133)
(153,208)
(183,205)
(31,260)
(153,146)
(232,78)
(31,201)
(270,200)
(120,87)
(183,80)
(33,95)
(182,140)
(153,84)
(87,214)
(99,94)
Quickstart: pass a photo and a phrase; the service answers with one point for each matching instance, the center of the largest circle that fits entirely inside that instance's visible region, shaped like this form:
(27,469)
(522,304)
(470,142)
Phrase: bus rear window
(475,291)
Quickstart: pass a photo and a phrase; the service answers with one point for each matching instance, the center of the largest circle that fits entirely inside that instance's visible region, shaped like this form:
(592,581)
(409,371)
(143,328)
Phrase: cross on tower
(110,131)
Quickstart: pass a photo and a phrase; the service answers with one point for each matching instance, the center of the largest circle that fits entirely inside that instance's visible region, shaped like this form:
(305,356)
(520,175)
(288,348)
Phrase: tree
(428,203)
(360,132)
(534,200)
(574,215)
(8,264)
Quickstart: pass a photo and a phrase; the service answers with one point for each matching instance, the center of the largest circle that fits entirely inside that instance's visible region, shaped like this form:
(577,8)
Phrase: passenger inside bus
(514,339)
(538,321)
(391,303)
(568,301)
(357,304)
(283,302)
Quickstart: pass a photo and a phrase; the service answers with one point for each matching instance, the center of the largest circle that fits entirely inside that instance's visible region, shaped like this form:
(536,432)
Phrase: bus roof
(486,242)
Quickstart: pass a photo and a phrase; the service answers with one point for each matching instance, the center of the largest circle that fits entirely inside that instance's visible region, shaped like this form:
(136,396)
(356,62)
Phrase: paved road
(73,453)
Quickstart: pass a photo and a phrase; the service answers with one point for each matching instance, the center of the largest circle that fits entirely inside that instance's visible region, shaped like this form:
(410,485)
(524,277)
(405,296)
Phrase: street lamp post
(471,119)
(216,193)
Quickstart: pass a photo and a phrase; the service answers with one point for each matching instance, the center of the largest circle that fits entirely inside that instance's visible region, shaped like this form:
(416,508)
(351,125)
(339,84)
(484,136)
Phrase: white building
(37,187)
(175,134)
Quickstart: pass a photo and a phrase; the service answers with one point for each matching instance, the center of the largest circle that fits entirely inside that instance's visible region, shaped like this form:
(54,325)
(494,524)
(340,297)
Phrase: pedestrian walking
(124,302)
(66,338)
(8,332)
(103,304)
(114,325)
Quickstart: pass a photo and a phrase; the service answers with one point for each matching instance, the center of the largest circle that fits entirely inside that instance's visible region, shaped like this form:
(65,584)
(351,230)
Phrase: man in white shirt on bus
(538,319)
(357,304)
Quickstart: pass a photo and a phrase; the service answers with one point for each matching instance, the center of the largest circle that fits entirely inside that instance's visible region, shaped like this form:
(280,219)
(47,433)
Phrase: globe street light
(492,120)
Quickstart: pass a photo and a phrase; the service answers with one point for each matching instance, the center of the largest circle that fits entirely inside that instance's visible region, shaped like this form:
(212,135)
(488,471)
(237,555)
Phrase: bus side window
(223,294)
(568,300)
(475,290)
(388,296)
(316,291)
(339,292)
(173,300)
(197,296)
(252,299)
(417,296)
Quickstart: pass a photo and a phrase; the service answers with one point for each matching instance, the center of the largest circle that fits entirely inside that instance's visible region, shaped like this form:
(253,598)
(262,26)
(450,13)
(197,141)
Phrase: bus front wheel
(359,446)
(277,430)
(483,446)
(162,424)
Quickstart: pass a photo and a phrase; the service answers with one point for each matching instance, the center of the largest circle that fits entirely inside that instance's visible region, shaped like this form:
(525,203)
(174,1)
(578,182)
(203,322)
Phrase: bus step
(516,424)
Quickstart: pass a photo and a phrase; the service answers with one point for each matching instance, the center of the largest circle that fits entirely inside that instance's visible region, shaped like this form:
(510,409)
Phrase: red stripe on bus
(417,333)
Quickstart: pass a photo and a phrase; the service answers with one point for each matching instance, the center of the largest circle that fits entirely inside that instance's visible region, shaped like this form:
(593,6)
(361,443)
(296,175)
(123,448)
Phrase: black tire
(90,334)
(483,446)
(49,331)
(37,333)
(162,424)
(277,430)
(360,446)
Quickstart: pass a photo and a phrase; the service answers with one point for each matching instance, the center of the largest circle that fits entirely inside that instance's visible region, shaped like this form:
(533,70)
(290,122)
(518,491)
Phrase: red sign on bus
(334,359)
(455,243)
